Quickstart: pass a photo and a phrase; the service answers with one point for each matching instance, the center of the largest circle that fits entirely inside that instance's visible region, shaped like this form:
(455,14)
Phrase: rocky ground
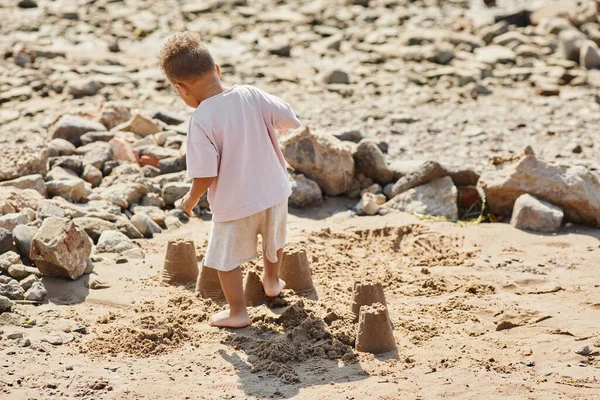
(462,111)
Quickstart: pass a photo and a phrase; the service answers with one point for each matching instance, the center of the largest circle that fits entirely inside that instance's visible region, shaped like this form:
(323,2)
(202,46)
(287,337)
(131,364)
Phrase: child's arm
(191,199)
(281,114)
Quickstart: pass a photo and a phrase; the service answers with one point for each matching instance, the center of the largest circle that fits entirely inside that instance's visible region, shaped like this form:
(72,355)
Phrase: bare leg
(237,315)
(271,282)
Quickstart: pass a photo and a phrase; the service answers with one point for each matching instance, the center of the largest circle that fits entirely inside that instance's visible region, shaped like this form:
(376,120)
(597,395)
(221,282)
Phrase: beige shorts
(233,243)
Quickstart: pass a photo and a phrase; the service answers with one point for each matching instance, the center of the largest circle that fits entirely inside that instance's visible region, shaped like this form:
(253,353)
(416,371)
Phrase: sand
(477,311)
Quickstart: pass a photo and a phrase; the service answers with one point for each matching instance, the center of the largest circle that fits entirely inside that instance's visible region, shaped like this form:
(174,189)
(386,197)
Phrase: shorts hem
(232,266)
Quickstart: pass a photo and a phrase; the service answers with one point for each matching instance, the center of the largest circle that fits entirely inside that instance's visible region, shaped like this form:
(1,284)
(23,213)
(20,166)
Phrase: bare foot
(226,320)
(273,287)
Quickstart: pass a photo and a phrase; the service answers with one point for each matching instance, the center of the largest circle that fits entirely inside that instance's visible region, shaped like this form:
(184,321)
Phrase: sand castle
(366,293)
(181,265)
(253,288)
(375,333)
(208,284)
(295,271)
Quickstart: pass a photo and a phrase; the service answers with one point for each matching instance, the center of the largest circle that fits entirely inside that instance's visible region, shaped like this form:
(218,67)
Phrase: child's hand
(188,204)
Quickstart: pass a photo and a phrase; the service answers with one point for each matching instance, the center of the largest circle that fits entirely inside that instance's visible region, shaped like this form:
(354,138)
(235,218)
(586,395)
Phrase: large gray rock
(20,271)
(123,194)
(61,174)
(305,192)
(62,248)
(72,190)
(321,157)
(6,304)
(570,42)
(35,182)
(531,213)
(98,156)
(8,259)
(146,225)
(436,198)
(21,160)
(6,240)
(125,226)
(155,213)
(426,172)
(23,236)
(10,221)
(113,242)
(37,292)
(14,200)
(47,209)
(91,137)
(94,227)
(71,127)
(12,290)
(574,189)
(370,161)
(174,191)
(60,147)
(172,164)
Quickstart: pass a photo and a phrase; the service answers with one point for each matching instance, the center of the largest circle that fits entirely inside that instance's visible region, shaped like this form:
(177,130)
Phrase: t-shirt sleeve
(280,113)
(202,157)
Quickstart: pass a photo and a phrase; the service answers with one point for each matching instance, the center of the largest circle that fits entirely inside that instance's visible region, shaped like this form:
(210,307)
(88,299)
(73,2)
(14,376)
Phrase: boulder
(93,137)
(12,290)
(174,191)
(143,126)
(98,156)
(35,182)
(574,189)
(155,213)
(171,165)
(589,55)
(61,248)
(61,174)
(152,199)
(122,150)
(370,161)
(369,203)
(321,157)
(20,271)
(305,192)
(72,190)
(71,127)
(6,304)
(47,209)
(146,225)
(113,242)
(8,259)
(92,175)
(21,160)
(10,221)
(14,200)
(169,117)
(426,172)
(28,281)
(6,240)
(23,236)
(123,194)
(94,227)
(436,198)
(531,213)
(112,114)
(336,76)
(125,226)
(60,147)
(37,292)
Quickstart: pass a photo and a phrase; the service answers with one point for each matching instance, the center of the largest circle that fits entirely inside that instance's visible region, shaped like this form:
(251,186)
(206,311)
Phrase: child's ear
(182,87)
(218,69)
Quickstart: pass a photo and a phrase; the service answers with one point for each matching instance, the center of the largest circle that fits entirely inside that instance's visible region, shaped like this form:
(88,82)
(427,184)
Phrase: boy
(232,151)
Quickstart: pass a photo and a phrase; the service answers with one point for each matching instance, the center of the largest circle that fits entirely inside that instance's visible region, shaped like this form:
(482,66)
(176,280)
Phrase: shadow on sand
(65,292)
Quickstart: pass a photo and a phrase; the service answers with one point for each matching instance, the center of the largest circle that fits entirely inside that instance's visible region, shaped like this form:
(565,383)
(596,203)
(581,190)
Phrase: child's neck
(209,88)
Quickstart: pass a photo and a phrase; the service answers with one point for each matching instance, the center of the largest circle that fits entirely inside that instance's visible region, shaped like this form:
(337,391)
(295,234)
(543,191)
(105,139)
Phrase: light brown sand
(478,312)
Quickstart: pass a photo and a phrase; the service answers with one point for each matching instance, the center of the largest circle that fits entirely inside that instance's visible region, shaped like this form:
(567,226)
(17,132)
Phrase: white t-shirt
(232,136)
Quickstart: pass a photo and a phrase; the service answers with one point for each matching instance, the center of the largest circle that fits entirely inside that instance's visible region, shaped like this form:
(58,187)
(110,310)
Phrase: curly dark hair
(185,58)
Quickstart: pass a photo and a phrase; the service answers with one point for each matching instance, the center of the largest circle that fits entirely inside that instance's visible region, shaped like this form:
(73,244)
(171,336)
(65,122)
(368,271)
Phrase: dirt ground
(479,311)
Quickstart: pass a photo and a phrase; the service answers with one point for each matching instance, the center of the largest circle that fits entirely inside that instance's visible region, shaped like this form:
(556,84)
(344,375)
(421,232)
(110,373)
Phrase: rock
(28,281)
(495,55)
(531,213)
(322,158)
(72,190)
(73,165)
(6,240)
(574,189)
(12,290)
(488,33)
(94,227)
(23,236)
(584,351)
(9,259)
(436,198)
(125,226)
(122,150)
(547,89)
(14,200)
(60,147)
(21,160)
(570,43)
(71,127)
(122,194)
(152,199)
(521,18)
(150,171)
(10,221)
(27,4)
(462,176)
(281,48)
(337,77)
(98,156)
(171,165)
(143,126)
(305,192)
(112,114)
(35,182)
(145,225)
(92,175)
(6,304)
(589,55)
(161,137)
(83,87)
(169,117)
(155,213)
(175,191)
(387,190)
(369,203)
(370,161)
(172,222)
(350,136)
(160,153)
(93,137)
(96,284)
(62,248)
(425,172)
(47,209)
(37,292)
(20,271)
(113,242)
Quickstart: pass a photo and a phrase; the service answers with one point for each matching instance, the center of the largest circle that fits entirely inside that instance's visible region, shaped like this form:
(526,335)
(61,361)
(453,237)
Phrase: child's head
(189,66)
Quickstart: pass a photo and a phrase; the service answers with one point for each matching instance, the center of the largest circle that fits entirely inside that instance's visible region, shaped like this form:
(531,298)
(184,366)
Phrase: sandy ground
(449,288)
